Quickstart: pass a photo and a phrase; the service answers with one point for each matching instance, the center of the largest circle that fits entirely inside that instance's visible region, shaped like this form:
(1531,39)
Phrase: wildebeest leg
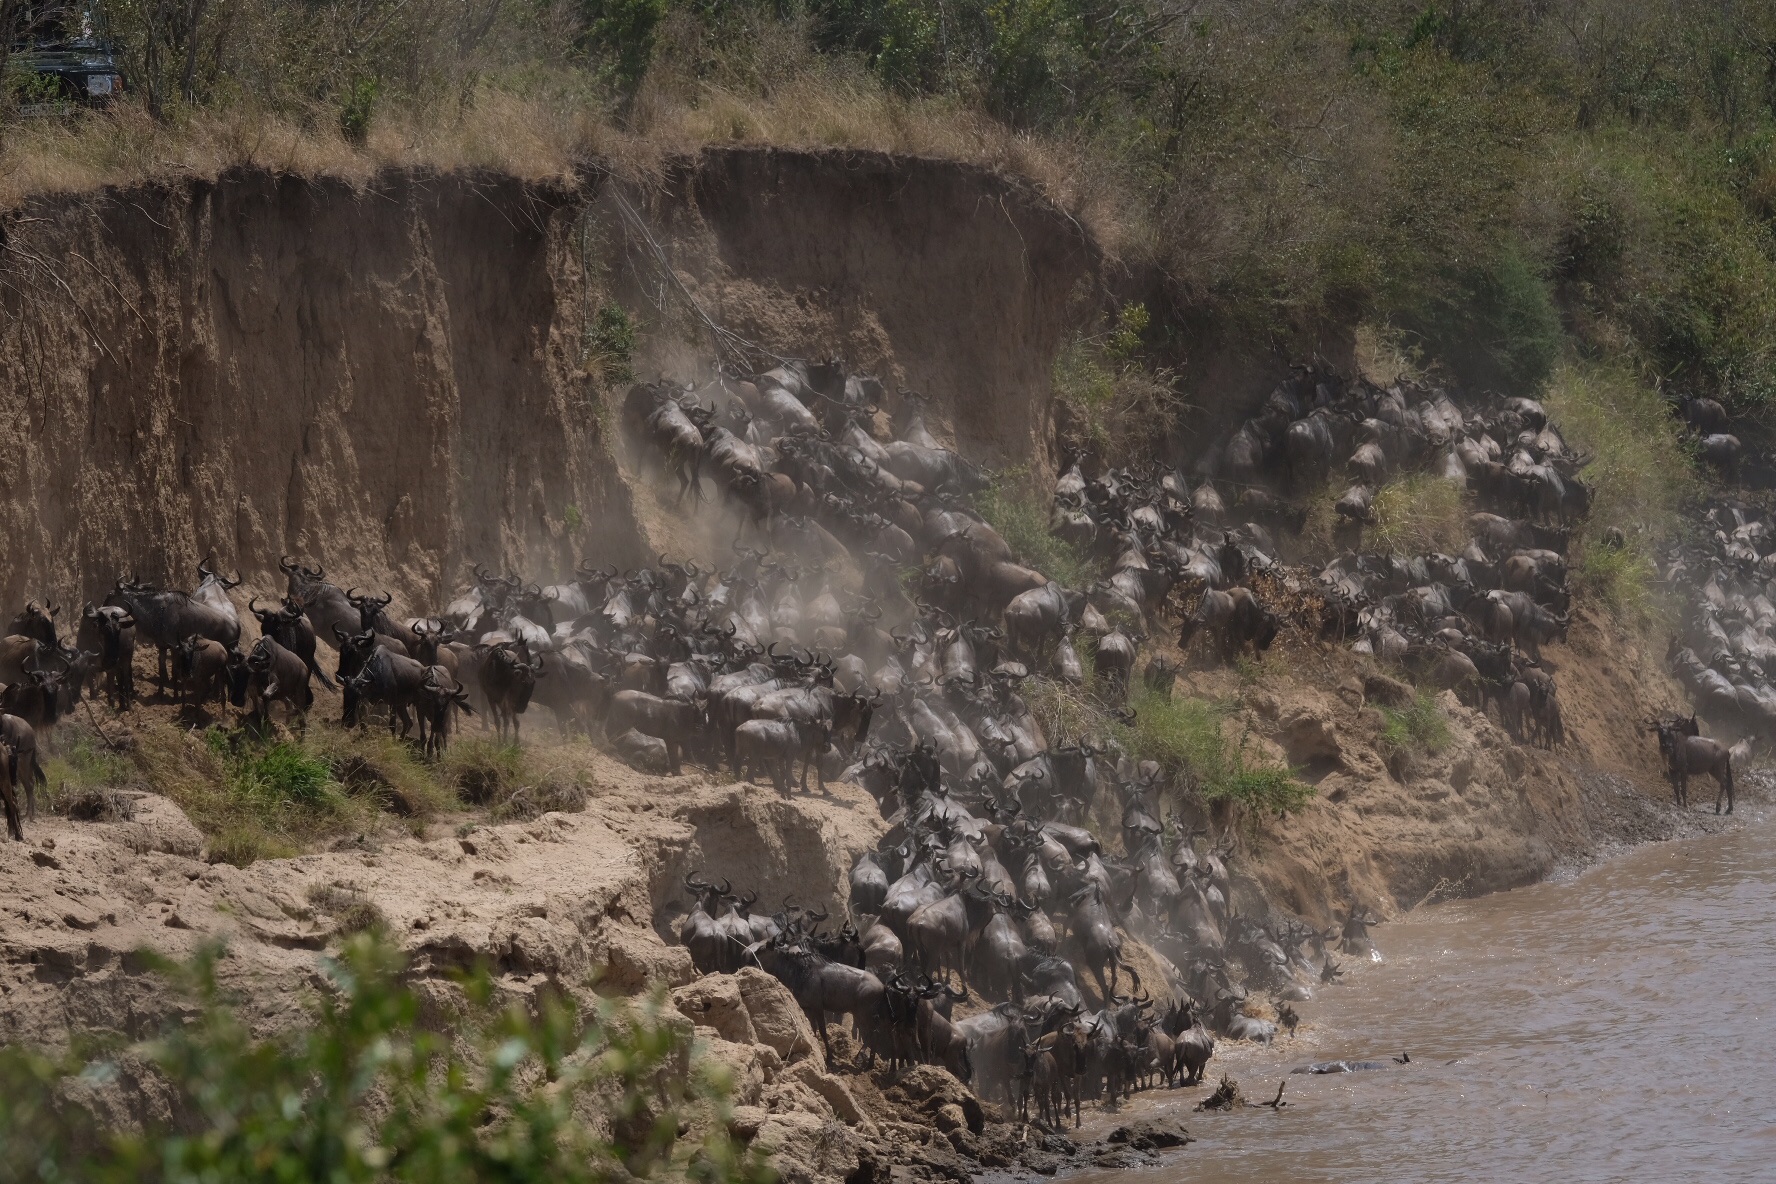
(672,750)
(10,800)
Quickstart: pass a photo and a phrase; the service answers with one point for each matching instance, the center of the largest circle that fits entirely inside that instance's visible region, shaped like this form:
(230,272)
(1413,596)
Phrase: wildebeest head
(207,574)
(302,580)
(370,607)
(110,622)
(36,623)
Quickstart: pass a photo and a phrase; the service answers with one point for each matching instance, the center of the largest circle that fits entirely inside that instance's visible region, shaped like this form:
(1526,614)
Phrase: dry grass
(545,135)
(535,139)
(1418,514)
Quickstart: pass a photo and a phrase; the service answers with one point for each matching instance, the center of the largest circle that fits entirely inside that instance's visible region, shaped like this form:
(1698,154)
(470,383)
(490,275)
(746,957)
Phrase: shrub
(1639,470)
(1189,740)
(1418,726)
(368,1094)
(609,345)
(1020,515)
(514,783)
(1419,513)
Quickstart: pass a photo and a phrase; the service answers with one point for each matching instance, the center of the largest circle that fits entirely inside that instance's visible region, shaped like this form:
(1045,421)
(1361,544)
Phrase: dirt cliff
(391,376)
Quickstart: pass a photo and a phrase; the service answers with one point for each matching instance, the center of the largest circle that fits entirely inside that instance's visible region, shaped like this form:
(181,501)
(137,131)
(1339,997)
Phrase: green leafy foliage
(360,105)
(367,1094)
(1419,726)
(1188,737)
(610,344)
(619,34)
(1020,515)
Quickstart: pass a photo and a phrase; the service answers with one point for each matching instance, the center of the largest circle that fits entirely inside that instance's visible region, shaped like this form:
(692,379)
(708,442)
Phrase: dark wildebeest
(1687,753)
(507,681)
(441,695)
(290,627)
(775,744)
(678,723)
(19,739)
(1241,619)
(110,632)
(328,610)
(200,671)
(371,673)
(166,618)
(275,675)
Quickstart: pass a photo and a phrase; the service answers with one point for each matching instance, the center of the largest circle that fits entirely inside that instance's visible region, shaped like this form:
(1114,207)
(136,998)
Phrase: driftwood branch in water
(1277,1102)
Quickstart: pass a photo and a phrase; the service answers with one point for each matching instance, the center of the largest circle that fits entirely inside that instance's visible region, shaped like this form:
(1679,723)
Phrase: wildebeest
(508,679)
(1238,617)
(110,632)
(775,745)
(166,618)
(441,695)
(19,739)
(200,671)
(370,673)
(1687,753)
(328,610)
(275,675)
(679,724)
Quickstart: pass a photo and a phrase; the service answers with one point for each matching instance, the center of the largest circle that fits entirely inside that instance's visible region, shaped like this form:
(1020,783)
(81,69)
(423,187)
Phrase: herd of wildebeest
(870,625)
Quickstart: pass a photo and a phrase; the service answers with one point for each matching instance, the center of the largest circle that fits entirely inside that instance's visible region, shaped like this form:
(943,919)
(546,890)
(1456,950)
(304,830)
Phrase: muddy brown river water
(1616,1026)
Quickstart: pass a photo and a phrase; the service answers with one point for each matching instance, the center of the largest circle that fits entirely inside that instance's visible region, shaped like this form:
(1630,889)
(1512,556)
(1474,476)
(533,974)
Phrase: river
(1616,1026)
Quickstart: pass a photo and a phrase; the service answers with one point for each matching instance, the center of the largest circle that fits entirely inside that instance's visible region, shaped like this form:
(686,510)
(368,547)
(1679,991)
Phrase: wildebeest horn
(287,565)
(727,888)
(341,634)
(252,607)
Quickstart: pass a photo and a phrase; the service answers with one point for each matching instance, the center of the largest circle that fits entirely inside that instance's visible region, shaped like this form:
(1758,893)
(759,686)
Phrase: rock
(929,1088)
(950,1118)
(1379,688)
(792,1097)
(835,1093)
(777,1020)
(809,1150)
(156,824)
(1151,1134)
(1351,691)
(748,1067)
(714,1001)
(1116,1161)
(1307,734)
(634,959)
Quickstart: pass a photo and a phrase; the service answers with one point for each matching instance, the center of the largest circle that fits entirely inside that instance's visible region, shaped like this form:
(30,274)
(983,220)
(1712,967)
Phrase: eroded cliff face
(269,365)
(390,378)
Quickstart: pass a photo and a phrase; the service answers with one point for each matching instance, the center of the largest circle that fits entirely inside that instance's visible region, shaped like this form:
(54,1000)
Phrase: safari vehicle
(67,58)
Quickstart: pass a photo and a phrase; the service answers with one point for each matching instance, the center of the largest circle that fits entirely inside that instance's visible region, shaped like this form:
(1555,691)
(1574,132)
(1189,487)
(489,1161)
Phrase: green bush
(367,1094)
(1020,515)
(1640,472)
(1188,738)
(1419,726)
(609,344)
